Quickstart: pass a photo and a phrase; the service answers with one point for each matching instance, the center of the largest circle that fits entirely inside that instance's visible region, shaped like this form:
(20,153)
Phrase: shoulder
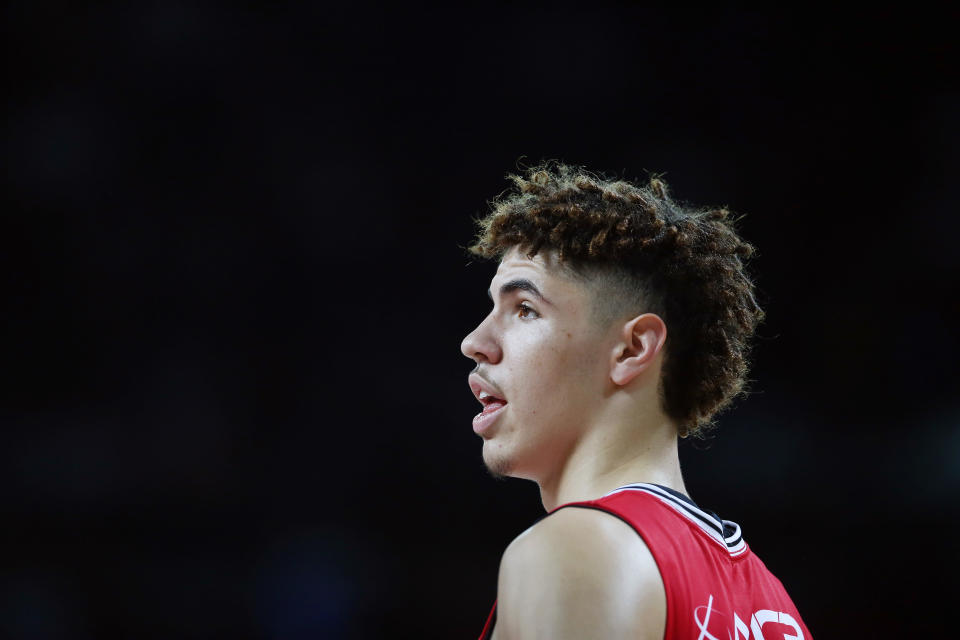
(579,573)
(578,529)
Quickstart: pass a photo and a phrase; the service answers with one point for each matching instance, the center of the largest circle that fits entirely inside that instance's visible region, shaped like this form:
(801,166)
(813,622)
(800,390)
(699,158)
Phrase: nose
(481,345)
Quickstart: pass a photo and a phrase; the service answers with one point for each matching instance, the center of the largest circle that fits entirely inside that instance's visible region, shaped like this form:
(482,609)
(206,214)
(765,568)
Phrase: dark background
(234,289)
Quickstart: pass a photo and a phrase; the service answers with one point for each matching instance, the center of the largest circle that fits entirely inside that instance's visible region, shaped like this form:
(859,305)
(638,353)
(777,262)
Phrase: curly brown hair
(643,252)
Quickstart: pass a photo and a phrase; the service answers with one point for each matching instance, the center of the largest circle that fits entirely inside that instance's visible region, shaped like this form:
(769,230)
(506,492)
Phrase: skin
(583,417)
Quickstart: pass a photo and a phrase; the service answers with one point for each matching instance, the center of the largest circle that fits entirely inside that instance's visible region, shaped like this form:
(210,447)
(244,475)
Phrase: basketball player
(620,322)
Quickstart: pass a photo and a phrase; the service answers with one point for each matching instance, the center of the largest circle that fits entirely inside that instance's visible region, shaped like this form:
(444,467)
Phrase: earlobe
(642,339)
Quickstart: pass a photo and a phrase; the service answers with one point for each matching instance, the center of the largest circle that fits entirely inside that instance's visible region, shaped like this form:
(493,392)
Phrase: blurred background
(234,287)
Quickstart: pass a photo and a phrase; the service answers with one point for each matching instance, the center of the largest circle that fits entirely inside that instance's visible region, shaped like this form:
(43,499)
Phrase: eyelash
(527,308)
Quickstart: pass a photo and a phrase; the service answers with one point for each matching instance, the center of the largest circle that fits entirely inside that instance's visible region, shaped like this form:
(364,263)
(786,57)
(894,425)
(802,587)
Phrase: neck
(611,455)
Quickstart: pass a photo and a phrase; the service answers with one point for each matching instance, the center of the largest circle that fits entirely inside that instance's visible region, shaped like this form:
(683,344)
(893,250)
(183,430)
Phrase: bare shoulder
(579,573)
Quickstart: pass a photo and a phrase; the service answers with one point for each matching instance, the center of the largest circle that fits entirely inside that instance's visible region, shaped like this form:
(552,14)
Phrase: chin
(499,466)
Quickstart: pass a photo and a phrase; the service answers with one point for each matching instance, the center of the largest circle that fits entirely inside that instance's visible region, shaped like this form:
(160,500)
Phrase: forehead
(514,260)
(544,270)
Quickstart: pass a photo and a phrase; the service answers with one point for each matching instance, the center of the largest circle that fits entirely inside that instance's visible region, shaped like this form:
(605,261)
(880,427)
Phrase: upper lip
(478,384)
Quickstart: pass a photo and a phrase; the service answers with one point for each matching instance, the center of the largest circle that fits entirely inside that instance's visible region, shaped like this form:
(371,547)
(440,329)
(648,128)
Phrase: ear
(641,339)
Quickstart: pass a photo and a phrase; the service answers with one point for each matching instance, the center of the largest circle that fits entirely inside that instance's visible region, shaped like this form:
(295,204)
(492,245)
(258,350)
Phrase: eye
(526,310)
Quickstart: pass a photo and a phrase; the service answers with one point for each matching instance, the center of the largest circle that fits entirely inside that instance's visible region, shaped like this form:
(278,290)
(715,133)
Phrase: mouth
(492,400)
(492,408)
(484,391)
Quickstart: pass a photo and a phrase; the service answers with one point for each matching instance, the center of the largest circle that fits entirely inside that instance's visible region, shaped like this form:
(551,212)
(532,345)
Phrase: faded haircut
(640,251)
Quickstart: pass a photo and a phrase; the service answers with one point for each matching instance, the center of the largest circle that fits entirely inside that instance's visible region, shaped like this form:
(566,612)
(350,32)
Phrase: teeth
(484,395)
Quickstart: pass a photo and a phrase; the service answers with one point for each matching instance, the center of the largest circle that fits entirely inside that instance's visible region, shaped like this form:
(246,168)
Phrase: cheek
(551,374)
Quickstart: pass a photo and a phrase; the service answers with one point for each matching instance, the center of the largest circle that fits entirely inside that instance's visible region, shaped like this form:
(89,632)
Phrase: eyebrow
(520,284)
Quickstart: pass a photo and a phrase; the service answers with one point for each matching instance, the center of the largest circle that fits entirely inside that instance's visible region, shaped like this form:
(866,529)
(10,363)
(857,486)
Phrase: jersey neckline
(724,532)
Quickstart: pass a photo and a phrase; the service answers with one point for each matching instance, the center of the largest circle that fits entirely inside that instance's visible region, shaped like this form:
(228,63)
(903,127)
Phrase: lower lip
(483,421)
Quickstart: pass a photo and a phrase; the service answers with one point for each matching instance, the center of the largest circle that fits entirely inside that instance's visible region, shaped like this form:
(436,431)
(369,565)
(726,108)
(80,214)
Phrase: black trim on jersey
(731,533)
(676,493)
(689,500)
(686,503)
(727,526)
(721,526)
(727,532)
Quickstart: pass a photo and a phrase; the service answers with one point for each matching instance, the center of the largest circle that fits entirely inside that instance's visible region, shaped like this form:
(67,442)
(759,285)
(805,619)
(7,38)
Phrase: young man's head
(611,303)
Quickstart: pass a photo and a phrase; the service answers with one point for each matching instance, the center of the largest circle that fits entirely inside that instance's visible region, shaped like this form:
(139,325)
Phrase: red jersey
(716,588)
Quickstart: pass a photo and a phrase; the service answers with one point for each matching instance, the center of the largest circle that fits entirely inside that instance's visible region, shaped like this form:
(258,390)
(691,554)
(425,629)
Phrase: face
(540,350)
